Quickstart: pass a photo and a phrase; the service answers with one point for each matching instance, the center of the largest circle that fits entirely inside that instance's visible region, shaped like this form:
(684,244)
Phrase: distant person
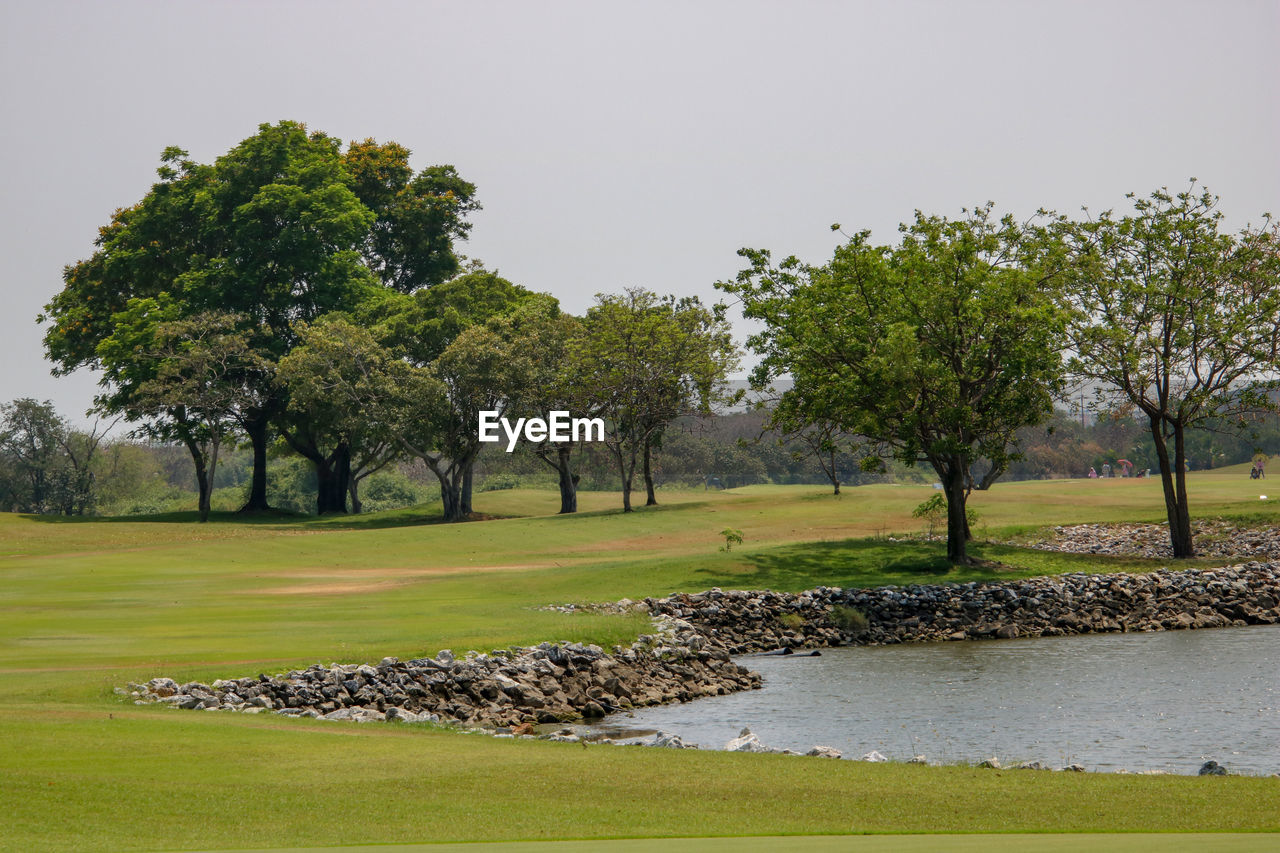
(1093,475)
(1106,469)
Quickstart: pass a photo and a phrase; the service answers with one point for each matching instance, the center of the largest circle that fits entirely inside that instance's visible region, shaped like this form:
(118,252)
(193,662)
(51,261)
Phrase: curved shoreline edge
(689,654)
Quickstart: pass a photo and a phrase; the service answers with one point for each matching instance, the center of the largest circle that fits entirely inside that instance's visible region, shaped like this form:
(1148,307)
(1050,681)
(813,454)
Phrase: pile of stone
(689,655)
(748,622)
(550,682)
(1212,539)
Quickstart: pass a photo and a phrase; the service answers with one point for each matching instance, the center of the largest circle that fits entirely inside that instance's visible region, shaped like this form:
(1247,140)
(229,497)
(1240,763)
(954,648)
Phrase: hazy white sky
(639,143)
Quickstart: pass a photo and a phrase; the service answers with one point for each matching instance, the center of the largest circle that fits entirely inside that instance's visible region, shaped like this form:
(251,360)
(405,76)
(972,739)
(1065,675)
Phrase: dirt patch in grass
(372,579)
(340,588)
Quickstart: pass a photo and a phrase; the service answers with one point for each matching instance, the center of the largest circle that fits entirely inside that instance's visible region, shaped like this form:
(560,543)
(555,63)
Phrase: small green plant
(850,620)
(934,512)
(732,536)
(791,621)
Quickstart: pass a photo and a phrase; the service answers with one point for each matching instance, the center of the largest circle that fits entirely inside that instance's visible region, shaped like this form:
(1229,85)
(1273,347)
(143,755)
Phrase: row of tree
(938,349)
(46,466)
(298,291)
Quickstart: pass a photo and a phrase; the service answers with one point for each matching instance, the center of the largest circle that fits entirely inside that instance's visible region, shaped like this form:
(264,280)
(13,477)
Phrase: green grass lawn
(86,605)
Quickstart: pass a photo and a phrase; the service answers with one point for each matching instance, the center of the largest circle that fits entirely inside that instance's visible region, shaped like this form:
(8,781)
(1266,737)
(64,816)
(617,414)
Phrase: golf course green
(90,604)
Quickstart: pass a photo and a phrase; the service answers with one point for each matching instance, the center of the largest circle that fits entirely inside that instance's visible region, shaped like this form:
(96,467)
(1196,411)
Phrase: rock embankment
(1212,539)
(551,682)
(747,622)
(689,656)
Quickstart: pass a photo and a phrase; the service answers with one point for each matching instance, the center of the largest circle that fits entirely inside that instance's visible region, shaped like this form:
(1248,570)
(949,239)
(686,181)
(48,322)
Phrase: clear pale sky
(637,143)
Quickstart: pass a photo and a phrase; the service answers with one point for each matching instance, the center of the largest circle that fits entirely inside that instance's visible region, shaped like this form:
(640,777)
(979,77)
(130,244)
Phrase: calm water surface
(1159,701)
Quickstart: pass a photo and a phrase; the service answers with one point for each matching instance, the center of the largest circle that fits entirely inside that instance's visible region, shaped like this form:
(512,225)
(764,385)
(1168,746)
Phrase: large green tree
(939,348)
(333,380)
(544,381)
(478,372)
(206,380)
(642,360)
(282,229)
(379,393)
(1179,319)
(420,328)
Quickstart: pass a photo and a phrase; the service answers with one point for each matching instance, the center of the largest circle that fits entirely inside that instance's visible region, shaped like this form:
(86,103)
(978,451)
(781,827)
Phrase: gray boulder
(823,752)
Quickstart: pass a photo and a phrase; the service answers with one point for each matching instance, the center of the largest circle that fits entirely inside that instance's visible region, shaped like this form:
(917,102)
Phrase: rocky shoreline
(1213,538)
(689,654)
(748,622)
(548,683)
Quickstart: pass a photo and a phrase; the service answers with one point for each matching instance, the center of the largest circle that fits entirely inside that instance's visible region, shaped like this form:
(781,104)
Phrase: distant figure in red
(1093,475)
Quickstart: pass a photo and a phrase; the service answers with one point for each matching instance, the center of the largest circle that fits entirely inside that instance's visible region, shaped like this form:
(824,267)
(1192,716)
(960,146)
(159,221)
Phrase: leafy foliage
(938,348)
(732,536)
(653,359)
(1179,320)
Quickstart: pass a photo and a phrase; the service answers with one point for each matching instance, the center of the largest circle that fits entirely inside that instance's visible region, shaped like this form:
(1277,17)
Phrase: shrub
(500,483)
(791,621)
(850,620)
(388,489)
(934,512)
(732,537)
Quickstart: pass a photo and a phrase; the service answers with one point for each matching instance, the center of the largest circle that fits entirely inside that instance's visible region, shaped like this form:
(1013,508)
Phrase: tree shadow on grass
(880,562)
(851,562)
(407,517)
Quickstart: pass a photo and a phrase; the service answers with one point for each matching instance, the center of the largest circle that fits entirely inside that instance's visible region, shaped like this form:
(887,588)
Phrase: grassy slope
(87,605)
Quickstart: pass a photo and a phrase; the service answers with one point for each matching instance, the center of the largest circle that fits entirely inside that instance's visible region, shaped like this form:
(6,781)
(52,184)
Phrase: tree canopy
(1178,319)
(939,348)
(641,361)
(281,230)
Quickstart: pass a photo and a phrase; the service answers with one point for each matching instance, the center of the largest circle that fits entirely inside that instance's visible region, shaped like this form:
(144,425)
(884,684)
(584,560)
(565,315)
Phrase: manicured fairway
(87,605)
(1043,842)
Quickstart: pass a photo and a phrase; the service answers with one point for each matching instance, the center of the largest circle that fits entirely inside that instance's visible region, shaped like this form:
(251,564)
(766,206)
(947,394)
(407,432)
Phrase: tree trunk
(1182,545)
(451,497)
(204,480)
(333,479)
(836,484)
(257,430)
(206,491)
(568,482)
(650,498)
(957,523)
(464,496)
(353,490)
(626,475)
(1173,479)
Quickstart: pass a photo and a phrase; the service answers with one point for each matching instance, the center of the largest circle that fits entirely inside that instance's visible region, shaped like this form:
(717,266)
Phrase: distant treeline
(46,466)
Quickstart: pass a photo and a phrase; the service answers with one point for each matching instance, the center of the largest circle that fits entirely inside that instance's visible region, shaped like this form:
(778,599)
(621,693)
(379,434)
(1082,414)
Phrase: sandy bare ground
(346,581)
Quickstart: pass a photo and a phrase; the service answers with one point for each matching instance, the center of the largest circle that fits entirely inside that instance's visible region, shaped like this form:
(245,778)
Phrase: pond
(1143,701)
